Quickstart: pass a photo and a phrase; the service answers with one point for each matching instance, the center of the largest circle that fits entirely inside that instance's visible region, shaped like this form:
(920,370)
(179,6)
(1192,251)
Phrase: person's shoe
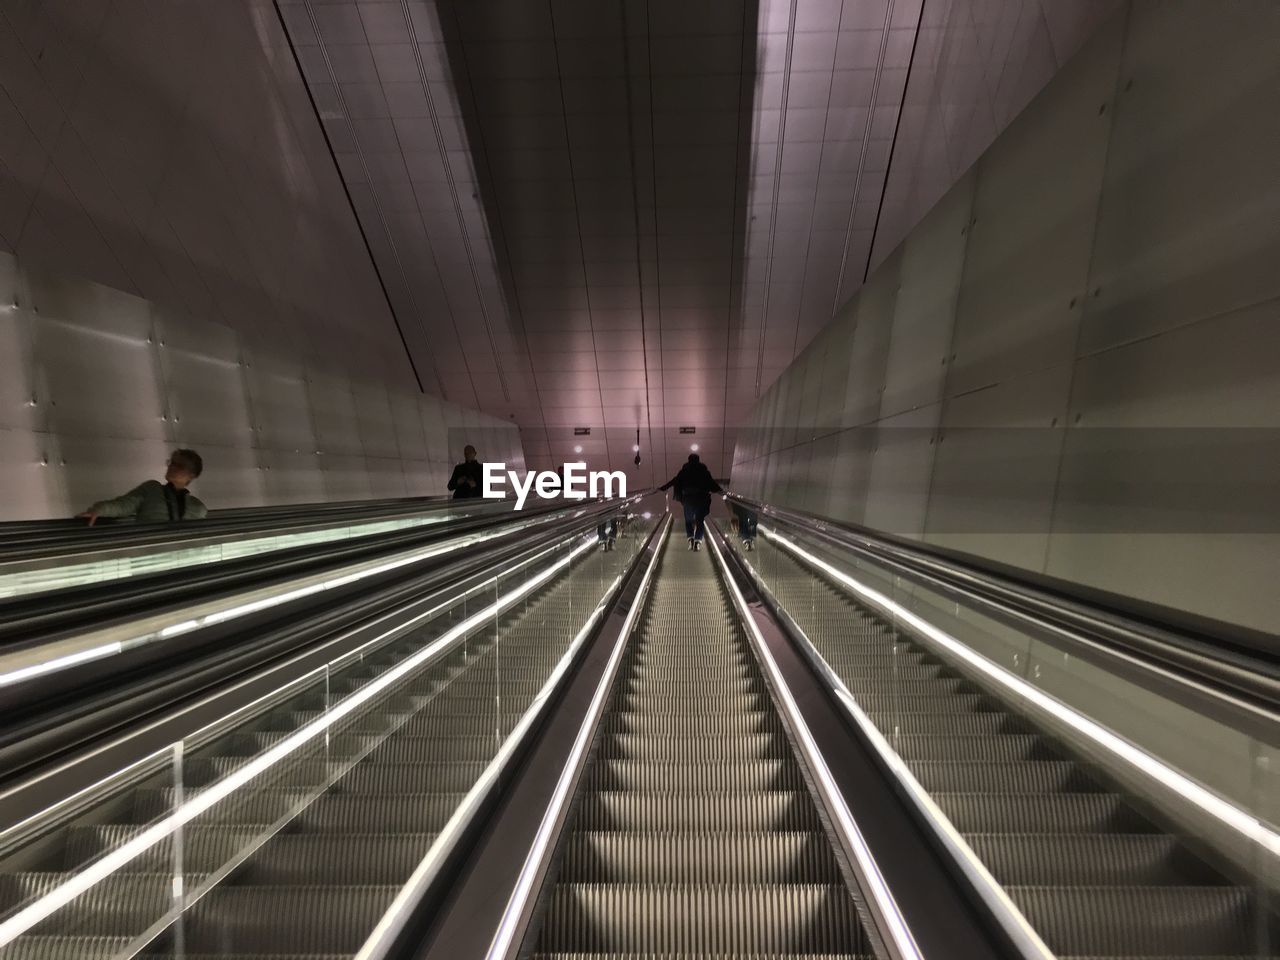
(697,545)
(693,544)
(749,545)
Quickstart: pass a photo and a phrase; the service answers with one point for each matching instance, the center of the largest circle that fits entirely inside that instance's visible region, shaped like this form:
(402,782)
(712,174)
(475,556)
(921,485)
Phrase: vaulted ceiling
(625,216)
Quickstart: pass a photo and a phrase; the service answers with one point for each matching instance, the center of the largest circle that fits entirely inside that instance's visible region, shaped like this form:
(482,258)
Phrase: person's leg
(690,519)
(702,524)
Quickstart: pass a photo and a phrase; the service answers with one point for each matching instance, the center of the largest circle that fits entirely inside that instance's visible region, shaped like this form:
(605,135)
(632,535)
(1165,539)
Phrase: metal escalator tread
(316,888)
(1093,876)
(695,836)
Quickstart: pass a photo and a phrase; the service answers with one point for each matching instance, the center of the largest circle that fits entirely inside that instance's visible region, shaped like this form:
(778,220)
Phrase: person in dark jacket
(467,476)
(156,502)
(693,487)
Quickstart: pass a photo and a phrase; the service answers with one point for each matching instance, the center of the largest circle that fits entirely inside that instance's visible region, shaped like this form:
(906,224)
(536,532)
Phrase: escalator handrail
(73,538)
(177,621)
(984,888)
(29,618)
(1229,673)
(261,654)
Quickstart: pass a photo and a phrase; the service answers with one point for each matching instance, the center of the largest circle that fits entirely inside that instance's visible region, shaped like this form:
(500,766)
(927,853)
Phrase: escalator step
(1144,859)
(1043,813)
(753,955)
(1031,776)
(62,946)
(300,919)
(747,746)
(602,918)
(750,812)
(663,858)
(1176,921)
(648,777)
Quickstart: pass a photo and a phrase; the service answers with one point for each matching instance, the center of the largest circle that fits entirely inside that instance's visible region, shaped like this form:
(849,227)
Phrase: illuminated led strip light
(67,891)
(894,925)
(1154,768)
(381,940)
(504,937)
(123,565)
(101,650)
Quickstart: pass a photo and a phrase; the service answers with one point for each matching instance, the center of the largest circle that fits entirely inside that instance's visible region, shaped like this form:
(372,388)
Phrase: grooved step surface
(694,834)
(1093,876)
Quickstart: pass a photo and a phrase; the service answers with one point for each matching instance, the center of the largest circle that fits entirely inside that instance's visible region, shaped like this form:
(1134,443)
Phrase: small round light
(693,447)
(635,448)
(577,448)
(647,515)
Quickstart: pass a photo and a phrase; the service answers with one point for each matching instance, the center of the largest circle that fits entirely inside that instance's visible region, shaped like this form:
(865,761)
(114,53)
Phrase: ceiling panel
(608,217)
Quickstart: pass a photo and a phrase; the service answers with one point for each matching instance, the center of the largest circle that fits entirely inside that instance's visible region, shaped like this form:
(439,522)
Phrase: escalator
(316,848)
(695,833)
(1092,874)
(695,820)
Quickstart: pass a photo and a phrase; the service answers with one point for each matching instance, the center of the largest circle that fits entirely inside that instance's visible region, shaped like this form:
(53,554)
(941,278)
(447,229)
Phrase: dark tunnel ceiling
(595,214)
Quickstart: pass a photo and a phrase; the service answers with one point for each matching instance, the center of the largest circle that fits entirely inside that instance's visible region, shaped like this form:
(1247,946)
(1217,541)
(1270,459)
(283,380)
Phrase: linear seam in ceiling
(577,212)
(635,208)
(284,26)
(893,145)
(514,309)
(457,211)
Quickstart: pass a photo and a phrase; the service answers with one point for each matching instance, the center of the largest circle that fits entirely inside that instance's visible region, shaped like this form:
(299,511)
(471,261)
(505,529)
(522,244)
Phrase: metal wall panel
(117,384)
(836,349)
(1143,459)
(20,387)
(204,379)
(31,482)
(1032,226)
(345,476)
(386,477)
(901,468)
(99,384)
(373,420)
(996,469)
(932,258)
(406,419)
(281,406)
(333,409)
(873,326)
(1169,476)
(1190,219)
(852,474)
(292,476)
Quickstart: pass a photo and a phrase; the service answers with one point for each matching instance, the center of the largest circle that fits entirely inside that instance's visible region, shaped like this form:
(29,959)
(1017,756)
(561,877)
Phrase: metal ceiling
(616,215)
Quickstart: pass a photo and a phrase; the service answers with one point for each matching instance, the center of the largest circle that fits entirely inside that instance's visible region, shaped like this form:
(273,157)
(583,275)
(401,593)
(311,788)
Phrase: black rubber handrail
(1232,672)
(42,617)
(26,541)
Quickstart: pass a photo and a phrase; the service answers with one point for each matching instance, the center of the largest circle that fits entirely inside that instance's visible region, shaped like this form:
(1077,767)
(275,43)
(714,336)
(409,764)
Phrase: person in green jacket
(156,502)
